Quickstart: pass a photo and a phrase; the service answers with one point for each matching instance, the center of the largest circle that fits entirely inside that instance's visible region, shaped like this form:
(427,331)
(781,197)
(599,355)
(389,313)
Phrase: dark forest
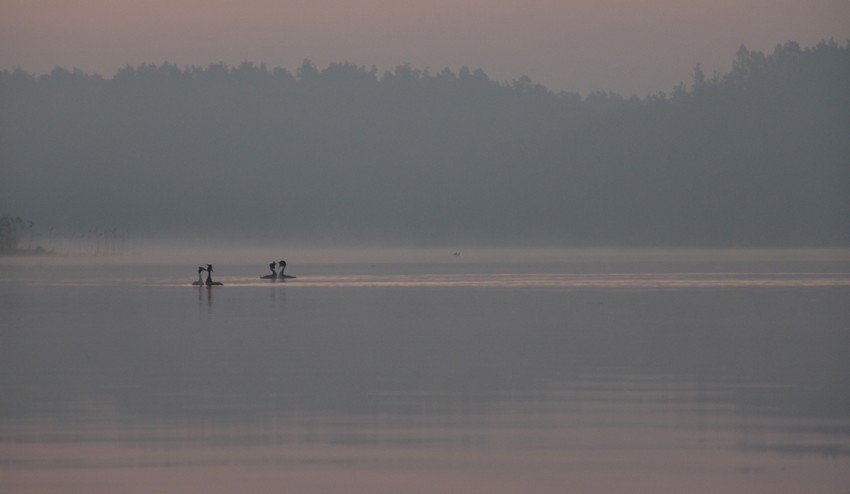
(758,156)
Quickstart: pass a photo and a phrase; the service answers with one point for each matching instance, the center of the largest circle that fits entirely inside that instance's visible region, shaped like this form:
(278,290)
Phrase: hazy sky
(627,46)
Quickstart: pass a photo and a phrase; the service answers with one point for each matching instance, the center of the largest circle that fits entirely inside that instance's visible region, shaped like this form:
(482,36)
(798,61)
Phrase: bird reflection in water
(205,300)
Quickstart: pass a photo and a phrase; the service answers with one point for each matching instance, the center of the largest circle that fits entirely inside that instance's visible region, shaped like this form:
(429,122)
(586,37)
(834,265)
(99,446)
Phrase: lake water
(493,372)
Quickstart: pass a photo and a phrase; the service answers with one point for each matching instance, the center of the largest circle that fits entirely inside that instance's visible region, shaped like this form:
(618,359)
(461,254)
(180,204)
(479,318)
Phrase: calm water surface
(455,375)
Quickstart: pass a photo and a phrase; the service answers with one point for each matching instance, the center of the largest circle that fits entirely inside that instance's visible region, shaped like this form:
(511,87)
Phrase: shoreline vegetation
(38,251)
(20,237)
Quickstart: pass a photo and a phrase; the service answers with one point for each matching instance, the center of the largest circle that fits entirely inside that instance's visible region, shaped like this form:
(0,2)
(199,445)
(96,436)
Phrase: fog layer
(758,156)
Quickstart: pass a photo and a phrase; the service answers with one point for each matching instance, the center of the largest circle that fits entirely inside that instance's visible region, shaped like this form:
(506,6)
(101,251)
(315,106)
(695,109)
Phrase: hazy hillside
(758,156)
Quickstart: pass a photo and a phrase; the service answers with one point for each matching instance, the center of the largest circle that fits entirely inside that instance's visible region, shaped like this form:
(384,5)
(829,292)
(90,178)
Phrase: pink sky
(627,46)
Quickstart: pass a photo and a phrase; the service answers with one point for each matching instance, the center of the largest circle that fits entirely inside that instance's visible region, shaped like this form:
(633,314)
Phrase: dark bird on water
(210,281)
(270,276)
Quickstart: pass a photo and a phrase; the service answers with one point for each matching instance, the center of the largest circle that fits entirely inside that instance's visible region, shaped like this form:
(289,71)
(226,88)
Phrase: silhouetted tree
(12,230)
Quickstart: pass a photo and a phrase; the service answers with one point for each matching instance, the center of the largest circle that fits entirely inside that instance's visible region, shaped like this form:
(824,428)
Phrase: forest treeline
(756,156)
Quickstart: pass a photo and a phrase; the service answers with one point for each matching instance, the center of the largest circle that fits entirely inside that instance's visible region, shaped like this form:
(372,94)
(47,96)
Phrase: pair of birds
(209,281)
(275,274)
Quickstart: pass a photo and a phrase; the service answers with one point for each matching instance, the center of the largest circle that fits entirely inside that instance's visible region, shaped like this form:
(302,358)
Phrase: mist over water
(439,336)
(387,371)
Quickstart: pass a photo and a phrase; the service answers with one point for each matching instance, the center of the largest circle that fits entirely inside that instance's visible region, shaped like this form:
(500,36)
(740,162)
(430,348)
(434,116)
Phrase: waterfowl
(270,276)
(209,281)
(200,279)
(282,266)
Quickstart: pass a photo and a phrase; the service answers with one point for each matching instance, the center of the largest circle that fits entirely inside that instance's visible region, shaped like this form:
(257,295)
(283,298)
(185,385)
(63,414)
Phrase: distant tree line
(13,231)
(756,156)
